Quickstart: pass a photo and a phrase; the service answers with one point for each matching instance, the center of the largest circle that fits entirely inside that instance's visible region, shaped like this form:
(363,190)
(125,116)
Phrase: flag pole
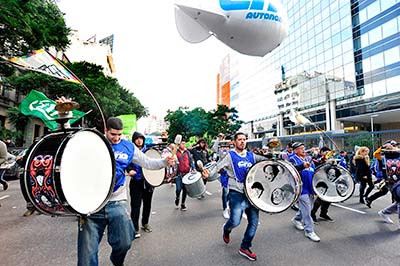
(87,89)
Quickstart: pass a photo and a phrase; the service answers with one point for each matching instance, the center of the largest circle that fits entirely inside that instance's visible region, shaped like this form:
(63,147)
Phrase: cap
(295,145)
(391,142)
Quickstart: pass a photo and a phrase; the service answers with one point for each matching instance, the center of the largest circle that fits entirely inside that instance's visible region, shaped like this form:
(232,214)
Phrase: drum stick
(177,141)
(200,165)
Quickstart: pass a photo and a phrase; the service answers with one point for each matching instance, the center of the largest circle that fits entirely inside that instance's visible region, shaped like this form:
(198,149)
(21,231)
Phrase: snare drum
(154,177)
(272,186)
(333,183)
(69,173)
(194,184)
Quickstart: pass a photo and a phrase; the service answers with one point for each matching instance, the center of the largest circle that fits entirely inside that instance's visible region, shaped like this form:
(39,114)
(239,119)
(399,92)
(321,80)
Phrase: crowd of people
(232,162)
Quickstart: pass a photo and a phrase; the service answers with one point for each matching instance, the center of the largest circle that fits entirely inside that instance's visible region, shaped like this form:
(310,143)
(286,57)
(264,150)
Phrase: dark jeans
(180,187)
(139,191)
(384,190)
(363,185)
(324,207)
(238,203)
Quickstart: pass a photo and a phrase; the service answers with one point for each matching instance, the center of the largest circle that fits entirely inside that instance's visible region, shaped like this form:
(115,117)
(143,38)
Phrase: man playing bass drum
(237,163)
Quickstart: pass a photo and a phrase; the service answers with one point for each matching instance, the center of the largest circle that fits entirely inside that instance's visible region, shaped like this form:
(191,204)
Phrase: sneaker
(225,213)
(297,224)
(137,234)
(313,236)
(326,218)
(28,213)
(294,207)
(225,235)
(362,201)
(177,203)
(147,228)
(244,215)
(246,252)
(208,193)
(200,197)
(385,217)
(183,207)
(5,185)
(368,202)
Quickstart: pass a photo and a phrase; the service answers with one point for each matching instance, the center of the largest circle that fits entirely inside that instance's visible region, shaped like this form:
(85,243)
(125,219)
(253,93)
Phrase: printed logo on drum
(269,14)
(244,164)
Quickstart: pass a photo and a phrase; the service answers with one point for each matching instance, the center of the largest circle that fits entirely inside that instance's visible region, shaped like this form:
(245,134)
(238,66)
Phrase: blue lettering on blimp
(232,5)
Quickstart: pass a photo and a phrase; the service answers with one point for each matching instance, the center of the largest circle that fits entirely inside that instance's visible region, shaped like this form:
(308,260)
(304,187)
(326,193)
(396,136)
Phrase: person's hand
(307,164)
(205,173)
(170,159)
(132,172)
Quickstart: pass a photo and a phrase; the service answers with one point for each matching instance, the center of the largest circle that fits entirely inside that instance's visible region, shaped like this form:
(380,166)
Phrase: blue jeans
(224,197)
(120,233)
(180,187)
(239,203)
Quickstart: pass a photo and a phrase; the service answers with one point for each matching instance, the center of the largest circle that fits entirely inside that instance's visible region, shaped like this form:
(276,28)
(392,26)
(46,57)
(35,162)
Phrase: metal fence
(341,141)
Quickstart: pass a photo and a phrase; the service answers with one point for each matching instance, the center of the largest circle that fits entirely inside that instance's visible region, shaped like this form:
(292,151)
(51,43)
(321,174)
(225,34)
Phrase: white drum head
(154,177)
(333,183)
(86,172)
(191,178)
(272,186)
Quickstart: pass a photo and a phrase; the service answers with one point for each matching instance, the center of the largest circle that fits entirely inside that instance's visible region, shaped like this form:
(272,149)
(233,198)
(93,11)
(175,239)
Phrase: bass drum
(69,173)
(333,183)
(154,177)
(272,186)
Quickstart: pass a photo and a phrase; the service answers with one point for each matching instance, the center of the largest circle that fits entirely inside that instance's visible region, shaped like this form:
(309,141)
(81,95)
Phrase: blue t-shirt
(241,165)
(138,169)
(306,174)
(123,153)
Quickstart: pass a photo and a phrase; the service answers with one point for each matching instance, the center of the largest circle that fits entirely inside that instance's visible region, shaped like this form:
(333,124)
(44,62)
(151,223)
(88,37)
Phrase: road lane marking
(347,208)
(4,197)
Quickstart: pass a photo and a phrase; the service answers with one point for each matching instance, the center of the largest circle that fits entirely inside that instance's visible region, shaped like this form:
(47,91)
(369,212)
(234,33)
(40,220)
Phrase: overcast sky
(152,60)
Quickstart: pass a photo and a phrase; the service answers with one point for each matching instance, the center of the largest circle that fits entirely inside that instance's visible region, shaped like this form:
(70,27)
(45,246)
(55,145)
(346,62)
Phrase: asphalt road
(193,238)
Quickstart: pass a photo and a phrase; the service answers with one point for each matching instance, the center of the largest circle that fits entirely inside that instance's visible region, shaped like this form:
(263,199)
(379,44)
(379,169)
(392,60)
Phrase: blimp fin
(190,30)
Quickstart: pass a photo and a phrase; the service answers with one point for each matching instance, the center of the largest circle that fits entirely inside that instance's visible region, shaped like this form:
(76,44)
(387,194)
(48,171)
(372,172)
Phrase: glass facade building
(339,66)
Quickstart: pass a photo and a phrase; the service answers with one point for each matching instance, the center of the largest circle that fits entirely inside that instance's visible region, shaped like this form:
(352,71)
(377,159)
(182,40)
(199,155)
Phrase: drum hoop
(165,170)
(326,199)
(70,211)
(283,163)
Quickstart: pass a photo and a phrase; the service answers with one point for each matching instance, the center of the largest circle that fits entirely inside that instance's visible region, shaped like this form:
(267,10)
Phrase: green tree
(27,25)
(200,123)
(113,99)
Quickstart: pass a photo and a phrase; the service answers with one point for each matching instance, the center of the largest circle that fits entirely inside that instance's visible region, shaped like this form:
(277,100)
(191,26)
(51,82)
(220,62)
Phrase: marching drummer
(237,163)
(306,168)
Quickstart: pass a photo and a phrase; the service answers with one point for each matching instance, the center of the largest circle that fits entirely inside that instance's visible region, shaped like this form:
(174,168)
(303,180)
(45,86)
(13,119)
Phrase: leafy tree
(113,99)
(199,123)
(27,25)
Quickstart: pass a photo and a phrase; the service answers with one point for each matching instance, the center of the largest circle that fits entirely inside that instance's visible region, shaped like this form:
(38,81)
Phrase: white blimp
(251,27)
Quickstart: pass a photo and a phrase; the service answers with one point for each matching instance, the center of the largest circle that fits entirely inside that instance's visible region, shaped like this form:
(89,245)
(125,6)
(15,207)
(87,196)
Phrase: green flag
(129,122)
(37,104)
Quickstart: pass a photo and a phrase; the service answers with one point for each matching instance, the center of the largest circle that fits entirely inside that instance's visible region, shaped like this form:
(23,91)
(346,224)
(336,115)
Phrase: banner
(43,62)
(38,105)
(129,124)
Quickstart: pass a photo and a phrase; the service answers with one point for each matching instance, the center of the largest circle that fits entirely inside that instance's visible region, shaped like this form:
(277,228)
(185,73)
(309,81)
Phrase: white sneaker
(225,213)
(208,193)
(297,224)
(313,236)
(385,217)
(244,215)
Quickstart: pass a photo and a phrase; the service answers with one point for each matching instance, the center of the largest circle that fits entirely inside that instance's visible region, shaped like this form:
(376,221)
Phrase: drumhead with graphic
(333,183)
(272,185)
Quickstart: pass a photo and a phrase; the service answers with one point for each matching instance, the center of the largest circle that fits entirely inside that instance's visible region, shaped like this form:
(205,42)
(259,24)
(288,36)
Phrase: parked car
(15,169)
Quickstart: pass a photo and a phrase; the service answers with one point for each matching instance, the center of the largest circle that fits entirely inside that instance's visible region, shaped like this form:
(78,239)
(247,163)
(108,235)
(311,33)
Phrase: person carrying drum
(115,214)
(185,164)
(321,159)
(377,169)
(199,152)
(140,190)
(237,163)
(305,166)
